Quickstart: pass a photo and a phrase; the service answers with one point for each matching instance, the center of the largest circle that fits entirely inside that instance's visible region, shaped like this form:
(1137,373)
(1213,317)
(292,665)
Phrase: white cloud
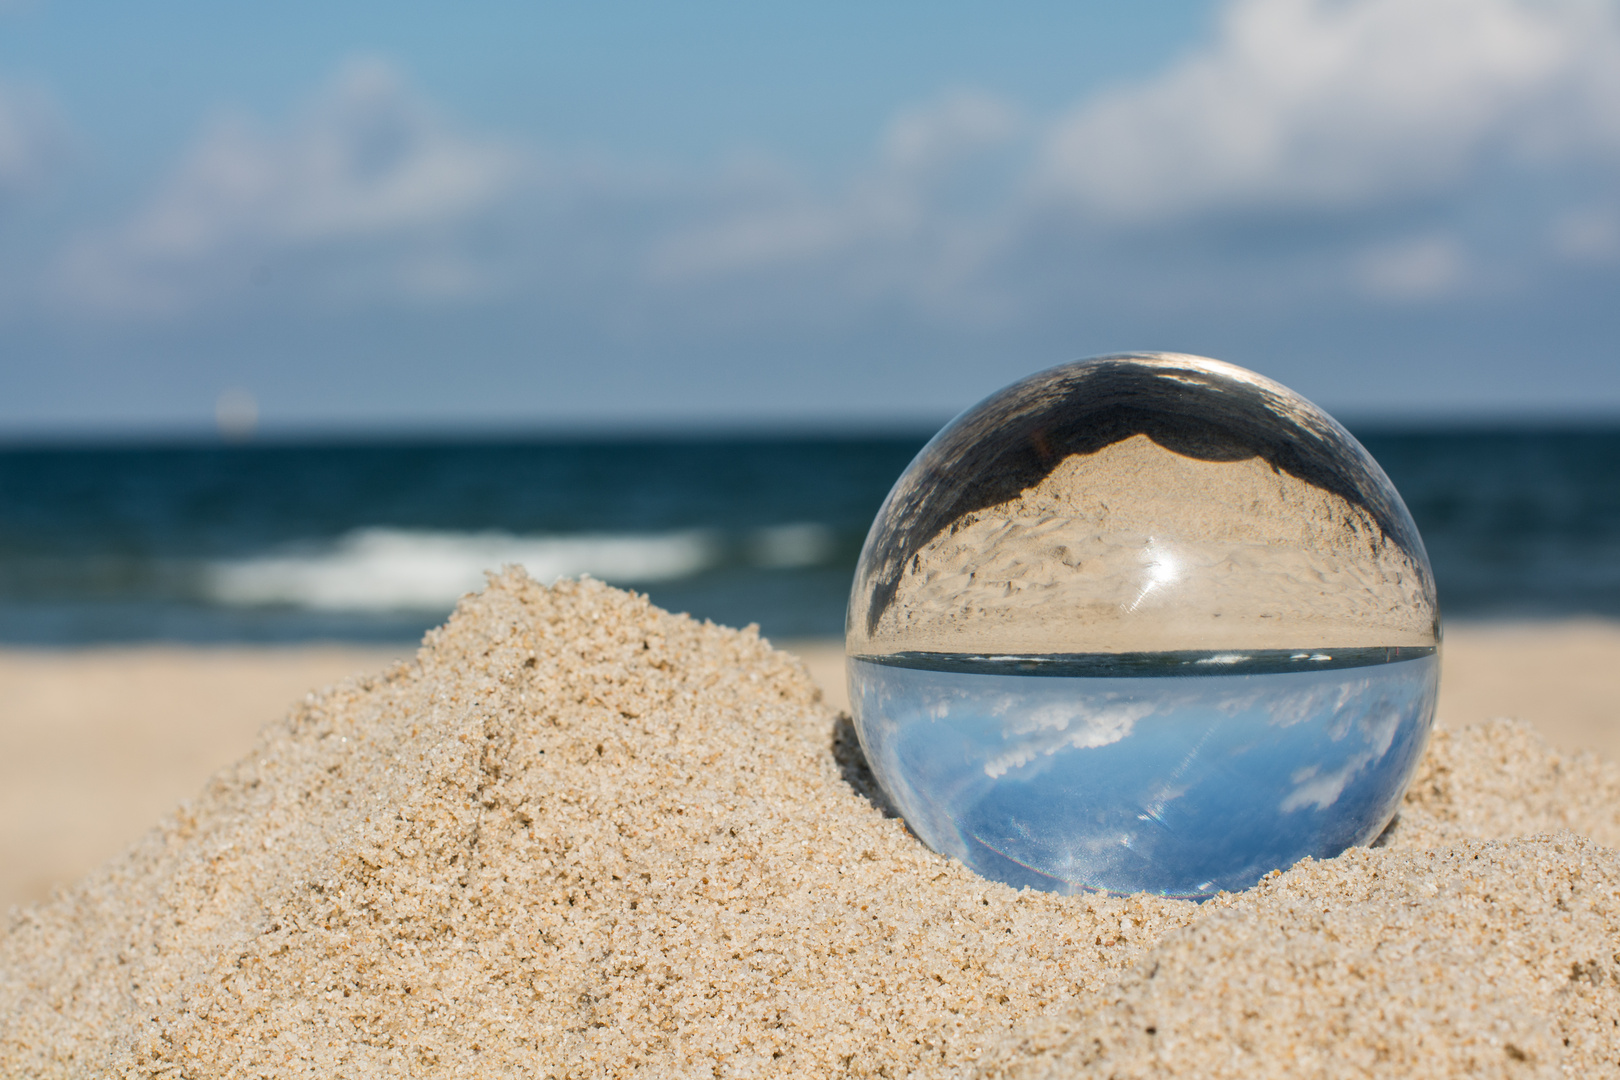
(1313,152)
(367,162)
(1393,142)
(899,228)
(1588,234)
(1421,268)
(33,140)
(1345,103)
(923,141)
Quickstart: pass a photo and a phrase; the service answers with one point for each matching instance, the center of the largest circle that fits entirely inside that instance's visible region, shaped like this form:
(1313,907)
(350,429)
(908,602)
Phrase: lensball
(1146,622)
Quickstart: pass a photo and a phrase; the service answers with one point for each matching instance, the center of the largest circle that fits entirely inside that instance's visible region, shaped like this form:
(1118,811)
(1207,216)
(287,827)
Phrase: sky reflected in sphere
(1146,622)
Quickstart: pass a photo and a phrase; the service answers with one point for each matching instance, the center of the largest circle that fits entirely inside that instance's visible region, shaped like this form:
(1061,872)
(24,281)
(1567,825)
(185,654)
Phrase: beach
(577,831)
(96,744)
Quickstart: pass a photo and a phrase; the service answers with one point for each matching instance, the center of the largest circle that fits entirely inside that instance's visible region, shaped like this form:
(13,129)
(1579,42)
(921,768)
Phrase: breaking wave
(390,569)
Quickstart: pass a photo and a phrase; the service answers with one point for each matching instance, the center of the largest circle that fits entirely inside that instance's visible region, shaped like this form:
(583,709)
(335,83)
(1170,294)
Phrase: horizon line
(198,436)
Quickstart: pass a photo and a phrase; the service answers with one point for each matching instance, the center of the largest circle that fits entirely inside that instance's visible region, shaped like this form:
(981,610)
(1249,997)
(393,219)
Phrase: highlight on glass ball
(1147,622)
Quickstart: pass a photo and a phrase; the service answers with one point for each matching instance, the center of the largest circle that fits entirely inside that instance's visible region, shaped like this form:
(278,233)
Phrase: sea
(373,541)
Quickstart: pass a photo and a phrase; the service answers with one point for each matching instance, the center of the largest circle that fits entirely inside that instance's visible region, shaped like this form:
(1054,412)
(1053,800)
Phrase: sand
(577,836)
(97,744)
(1136,547)
(1481,960)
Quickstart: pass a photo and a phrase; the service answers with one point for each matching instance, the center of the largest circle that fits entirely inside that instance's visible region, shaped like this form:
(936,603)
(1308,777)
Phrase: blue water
(211,542)
(1140,773)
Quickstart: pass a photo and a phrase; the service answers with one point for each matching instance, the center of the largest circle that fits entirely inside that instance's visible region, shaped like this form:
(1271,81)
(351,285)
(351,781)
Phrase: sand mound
(579,836)
(1484,960)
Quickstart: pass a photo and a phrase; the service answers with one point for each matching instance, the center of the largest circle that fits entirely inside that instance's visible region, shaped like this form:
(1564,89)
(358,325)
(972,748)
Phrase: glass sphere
(1146,622)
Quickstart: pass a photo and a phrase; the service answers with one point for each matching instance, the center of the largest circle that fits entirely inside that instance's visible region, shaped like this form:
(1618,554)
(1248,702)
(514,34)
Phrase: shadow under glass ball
(1147,622)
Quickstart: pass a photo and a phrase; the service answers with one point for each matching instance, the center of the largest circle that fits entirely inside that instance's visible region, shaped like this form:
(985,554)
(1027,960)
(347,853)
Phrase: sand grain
(578,836)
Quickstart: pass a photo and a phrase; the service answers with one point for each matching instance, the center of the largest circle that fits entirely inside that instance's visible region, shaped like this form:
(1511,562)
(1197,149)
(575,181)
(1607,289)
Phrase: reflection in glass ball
(1143,622)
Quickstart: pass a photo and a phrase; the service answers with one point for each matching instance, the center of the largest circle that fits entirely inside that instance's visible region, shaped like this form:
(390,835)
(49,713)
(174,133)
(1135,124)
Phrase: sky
(371,217)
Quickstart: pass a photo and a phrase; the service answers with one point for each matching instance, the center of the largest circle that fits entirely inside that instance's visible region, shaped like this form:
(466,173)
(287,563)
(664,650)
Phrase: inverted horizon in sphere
(1143,622)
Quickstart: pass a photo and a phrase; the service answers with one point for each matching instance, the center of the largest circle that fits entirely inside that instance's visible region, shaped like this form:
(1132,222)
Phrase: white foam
(383,569)
(790,547)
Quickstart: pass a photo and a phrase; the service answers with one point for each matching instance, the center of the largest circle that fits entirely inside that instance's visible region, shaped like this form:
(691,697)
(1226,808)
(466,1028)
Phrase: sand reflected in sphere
(1143,622)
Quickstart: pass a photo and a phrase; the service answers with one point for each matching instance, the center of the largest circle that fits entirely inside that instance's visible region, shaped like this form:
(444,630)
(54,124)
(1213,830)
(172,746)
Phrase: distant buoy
(237,415)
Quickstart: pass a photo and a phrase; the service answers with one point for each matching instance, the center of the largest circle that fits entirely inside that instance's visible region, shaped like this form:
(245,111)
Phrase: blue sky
(371,216)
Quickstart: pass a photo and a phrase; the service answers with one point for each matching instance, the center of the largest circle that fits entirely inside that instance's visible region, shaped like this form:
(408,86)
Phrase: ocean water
(375,541)
(1181,774)
(208,542)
